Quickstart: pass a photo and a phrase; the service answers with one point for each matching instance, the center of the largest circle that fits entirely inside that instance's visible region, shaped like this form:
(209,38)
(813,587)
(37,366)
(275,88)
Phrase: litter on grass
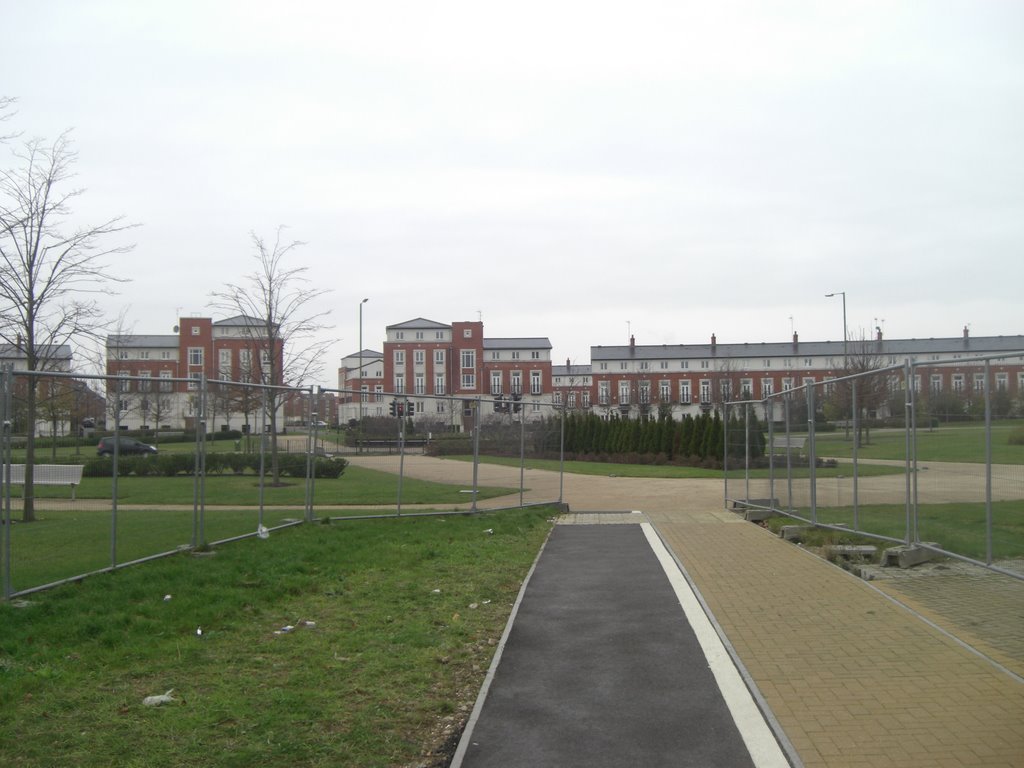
(262,532)
(161,698)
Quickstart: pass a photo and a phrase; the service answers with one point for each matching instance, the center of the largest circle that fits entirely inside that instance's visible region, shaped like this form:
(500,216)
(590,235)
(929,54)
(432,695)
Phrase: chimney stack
(967,333)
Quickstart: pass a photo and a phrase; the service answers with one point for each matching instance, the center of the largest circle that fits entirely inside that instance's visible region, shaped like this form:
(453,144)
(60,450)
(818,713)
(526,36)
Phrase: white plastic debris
(199,631)
(436,591)
(156,701)
(167,598)
(284,630)
(474,606)
(262,532)
(309,624)
(489,531)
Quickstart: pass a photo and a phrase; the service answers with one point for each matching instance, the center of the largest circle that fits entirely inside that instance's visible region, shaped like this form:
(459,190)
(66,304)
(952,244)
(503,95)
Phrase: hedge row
(172,464)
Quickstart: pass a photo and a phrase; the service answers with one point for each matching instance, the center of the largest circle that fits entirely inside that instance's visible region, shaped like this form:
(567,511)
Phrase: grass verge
(388,673)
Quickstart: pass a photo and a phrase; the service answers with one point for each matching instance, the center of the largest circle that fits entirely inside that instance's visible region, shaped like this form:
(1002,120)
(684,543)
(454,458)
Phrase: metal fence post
(854,408)
(812,455)
(6,377)
(768,408)
(725,456)
(908,406)
(311,417)
(988,463)
(746,449)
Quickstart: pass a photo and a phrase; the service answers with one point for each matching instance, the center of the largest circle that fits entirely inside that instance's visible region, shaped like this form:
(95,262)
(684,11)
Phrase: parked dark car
(125,445)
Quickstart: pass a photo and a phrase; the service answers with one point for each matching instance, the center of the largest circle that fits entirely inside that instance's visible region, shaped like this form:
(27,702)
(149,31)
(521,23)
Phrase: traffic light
(516,397)
(410,408)
(499,404)
(394,407)
(401,408)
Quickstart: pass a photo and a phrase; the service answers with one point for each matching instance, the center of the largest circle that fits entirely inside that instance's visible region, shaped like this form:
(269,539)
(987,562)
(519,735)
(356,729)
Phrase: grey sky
(573,170)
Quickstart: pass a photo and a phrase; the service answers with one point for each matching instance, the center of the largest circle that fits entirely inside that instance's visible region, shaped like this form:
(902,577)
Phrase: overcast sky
(574,170)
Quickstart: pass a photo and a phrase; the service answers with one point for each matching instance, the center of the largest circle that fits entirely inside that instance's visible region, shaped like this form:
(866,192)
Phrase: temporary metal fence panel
(865,453)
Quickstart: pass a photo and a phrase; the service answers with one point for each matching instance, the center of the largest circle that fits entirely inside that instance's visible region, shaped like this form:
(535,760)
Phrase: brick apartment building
(234,349)
(632,380)
(439,368)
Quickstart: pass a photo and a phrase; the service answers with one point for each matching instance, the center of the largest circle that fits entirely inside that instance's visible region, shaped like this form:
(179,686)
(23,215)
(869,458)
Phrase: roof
(420,323)
(538,342)
(570,370)
(48,351)
(134,341)
(981,345)
(243,321)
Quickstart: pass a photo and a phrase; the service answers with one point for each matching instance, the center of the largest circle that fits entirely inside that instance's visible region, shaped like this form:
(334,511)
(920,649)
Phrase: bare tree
(48,267)
(277,299)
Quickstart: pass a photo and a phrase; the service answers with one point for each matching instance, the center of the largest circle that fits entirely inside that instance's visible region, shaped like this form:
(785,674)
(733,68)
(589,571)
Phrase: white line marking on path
(764,749)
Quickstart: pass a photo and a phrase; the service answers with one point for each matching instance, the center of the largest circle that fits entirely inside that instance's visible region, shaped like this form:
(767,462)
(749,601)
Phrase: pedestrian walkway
(600,667)
(853,678)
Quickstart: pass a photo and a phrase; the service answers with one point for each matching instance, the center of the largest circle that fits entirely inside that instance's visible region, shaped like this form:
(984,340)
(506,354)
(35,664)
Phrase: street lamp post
(359,384)
(843,294)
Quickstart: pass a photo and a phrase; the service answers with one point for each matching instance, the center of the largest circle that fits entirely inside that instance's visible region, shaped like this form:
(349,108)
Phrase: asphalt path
(600,667)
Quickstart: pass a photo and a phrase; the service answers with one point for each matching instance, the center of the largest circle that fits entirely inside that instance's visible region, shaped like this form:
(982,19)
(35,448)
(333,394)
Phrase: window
(439,358)
(603,394)
(644,365)
(399,335)
(787,384)
(364,391)
(767,387)
(515,355)
(935,383)
(684,391)
(958,382)
(166,386)
(705,390)
(1002,382)
(195,355)
(165,355)
(420,384)
(726,386)
(469,381)
(193,380)
(602,366)
(766,363)
(665,390)
(439,385)
(419,357)
(645,392)
(663,365)
(224,364)
(495,382)
(746,388)
(704,364)
(624,393)
(808,362)
(556,398)
(399,384)
(419,335)
(808,380)
(439,335)
(623,366)
(684,364)
(535,382)
(572,399)
(467,358)
(399,357)
(495,355)
(123,385)
(144,386)
(265,358)
(979,382)
(378,393)
(586,399)
(535,355)
(144,354)
(517,383)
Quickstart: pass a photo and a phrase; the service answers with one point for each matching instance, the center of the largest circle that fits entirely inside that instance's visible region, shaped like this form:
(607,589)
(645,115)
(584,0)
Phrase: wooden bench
(49,474)
(786,445)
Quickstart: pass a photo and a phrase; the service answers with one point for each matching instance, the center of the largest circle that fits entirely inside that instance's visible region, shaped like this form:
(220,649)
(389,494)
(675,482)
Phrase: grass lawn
(955,527)
(389,671)
(960,443)
(356,486)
